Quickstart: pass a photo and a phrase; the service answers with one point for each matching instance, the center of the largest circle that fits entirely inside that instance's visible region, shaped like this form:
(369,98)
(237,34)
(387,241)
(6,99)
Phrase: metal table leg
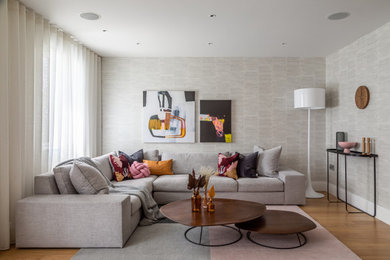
(346,193)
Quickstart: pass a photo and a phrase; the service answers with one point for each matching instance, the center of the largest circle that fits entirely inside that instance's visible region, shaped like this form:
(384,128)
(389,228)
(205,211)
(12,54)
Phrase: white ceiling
(241,28)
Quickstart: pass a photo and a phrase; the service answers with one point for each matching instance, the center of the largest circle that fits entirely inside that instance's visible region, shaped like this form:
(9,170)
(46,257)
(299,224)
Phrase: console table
(355,154)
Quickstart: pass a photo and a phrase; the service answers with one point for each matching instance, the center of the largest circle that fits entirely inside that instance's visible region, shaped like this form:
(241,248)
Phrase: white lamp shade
(309,98)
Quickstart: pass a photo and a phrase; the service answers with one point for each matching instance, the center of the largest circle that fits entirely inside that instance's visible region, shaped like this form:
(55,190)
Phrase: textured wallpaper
(364,62)
(261,90)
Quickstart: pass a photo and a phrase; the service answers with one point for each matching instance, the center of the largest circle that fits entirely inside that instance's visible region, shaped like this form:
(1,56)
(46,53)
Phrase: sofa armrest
(74,221)
(45,183)
(294,186)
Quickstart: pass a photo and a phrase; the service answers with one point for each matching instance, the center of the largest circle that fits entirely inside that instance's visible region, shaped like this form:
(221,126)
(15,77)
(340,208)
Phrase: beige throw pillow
(268,161)
(87,180)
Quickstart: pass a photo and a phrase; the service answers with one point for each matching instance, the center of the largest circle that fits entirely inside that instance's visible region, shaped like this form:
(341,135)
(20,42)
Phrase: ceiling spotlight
(138,43)
(284,44)
(104,30)
(213,15)
(89,16)
(210,43)
(338,16)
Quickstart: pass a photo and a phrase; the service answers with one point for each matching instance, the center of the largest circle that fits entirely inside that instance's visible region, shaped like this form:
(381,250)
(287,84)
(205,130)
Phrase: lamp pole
(310,192)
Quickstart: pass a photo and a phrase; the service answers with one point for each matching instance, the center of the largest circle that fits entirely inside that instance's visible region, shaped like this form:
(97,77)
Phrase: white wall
(364,62)
(261,90)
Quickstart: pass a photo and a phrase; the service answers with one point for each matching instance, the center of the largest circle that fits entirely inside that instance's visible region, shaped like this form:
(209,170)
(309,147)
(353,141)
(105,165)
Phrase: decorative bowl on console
(347,146)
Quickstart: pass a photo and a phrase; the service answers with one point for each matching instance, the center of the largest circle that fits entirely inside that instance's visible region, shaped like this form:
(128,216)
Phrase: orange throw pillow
(160,167)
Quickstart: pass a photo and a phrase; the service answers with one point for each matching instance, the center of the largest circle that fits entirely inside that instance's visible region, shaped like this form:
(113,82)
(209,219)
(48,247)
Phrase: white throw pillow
(268,160)
(87,180)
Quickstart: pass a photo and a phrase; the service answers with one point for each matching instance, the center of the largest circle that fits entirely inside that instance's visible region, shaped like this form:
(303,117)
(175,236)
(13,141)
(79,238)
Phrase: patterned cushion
(227,166)
(121,167)
(139,170)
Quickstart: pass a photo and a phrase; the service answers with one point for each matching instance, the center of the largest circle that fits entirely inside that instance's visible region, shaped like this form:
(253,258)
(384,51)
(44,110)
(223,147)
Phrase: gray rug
(166,241)
(163,241)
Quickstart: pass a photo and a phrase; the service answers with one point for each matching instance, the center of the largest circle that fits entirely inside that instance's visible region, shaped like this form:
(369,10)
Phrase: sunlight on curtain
(49,104)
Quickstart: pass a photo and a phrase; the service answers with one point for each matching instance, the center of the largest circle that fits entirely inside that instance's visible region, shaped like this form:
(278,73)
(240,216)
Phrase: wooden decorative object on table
(368,145)
(363,145)
(362,97)
(207,172)
(195,184)
(211,205)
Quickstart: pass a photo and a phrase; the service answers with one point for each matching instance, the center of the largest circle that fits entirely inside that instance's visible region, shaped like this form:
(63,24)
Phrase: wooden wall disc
(362,97)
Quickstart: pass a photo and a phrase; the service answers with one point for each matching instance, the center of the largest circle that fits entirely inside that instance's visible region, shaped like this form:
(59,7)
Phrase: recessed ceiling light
(210,43)
(89,16)
(338,16)
(213,15)
(284,44)
(138,43)
(104,30)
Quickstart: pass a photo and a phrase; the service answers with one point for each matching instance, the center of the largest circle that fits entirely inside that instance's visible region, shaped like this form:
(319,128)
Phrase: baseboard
(382,214)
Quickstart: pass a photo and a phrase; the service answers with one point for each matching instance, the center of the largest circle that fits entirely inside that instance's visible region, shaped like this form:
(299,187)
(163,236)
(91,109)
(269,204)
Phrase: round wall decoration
(362,97)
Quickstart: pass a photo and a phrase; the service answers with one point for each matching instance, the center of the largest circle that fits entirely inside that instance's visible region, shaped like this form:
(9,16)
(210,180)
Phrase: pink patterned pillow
(139,170)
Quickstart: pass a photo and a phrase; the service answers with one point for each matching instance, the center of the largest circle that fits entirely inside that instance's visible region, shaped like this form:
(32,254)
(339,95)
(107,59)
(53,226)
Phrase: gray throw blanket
(149,206)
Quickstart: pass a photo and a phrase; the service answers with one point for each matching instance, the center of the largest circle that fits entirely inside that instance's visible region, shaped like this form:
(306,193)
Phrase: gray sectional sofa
(53,220)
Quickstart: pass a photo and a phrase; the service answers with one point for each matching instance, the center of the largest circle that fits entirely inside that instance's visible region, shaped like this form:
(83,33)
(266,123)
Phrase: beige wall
(261,90)
(364,62)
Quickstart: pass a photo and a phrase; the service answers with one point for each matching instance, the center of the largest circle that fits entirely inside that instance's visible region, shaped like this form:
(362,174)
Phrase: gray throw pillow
(87,180)
(151,155)
(268,161)
(62,176)
(103,164)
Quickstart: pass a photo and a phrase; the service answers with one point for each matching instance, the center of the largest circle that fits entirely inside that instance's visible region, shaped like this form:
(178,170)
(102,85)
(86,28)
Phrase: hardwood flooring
(368,237)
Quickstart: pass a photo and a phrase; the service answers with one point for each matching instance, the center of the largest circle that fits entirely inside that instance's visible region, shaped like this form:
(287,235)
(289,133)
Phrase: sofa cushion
(183,163)
(62,176)
(227,166)
(222,183)
(268,161)
(138,156)
(247,165)
(142,182)
(103,164)
(151,155)
(260,184)
(159,167)
(87,179)
(120,167)
(171,183)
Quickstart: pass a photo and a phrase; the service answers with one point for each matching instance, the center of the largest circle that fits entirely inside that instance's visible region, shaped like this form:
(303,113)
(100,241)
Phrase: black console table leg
(346,189)
(327,179)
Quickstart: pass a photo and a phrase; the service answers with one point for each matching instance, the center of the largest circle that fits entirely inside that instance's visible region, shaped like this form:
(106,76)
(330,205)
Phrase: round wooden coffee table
(227,211)
(279,222)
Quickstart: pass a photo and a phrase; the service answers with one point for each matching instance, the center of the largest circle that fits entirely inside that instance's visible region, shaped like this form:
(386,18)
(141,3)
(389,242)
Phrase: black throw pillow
(247,165)
(137,156)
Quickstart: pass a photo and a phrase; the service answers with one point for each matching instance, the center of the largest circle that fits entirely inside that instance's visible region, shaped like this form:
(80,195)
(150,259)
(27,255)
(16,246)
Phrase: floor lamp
(309,98)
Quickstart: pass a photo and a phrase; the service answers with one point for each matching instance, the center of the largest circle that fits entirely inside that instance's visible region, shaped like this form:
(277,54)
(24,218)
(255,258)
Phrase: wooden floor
(368,237)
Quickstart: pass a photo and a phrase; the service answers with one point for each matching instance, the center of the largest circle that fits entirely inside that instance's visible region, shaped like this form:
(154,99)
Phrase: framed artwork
(169,116)
(215,121)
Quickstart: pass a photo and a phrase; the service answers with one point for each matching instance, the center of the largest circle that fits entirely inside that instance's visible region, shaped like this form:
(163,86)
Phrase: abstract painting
(169,116)
(215,121)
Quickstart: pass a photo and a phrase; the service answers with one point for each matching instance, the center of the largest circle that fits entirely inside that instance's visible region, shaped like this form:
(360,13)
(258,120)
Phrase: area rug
(166,241)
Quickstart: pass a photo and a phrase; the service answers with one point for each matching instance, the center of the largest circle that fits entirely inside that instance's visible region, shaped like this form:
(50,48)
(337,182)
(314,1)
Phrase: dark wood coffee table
(279,222)
(227,211)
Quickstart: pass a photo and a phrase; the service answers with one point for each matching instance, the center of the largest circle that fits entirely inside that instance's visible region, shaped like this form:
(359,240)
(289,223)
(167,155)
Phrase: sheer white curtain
(49,104)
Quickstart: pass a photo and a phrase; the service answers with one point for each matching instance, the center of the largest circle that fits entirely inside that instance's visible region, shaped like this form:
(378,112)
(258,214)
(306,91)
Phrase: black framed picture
(215,121)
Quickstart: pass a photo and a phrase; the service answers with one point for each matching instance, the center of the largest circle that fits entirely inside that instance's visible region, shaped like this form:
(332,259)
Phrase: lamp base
(312,194)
